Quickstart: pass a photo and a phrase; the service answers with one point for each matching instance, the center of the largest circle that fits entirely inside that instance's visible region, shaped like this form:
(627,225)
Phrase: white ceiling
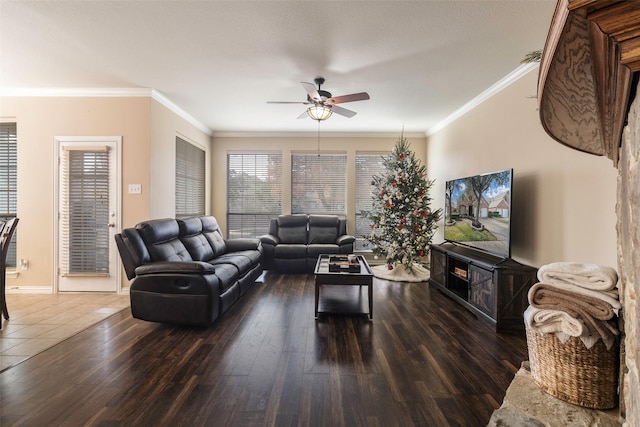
(221,61)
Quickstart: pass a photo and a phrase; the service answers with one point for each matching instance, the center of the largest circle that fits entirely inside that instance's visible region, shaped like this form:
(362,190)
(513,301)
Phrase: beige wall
(563,200)
(165,126)
(39,120)
(289,144)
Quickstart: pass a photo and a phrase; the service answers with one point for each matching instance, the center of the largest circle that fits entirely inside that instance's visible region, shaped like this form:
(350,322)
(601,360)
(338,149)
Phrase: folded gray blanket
(594,312)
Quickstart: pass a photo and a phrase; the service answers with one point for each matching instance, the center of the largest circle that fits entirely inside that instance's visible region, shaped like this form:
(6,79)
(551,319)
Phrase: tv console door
(493,288)
(482,290)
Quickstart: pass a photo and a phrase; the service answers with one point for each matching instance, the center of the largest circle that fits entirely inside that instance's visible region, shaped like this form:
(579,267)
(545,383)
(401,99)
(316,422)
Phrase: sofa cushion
(211,231)
(254,256)
(196,243)
(242,263)
(189,226)
(323,229)
(292,228)
(198,247)
(227,273)
(172,250)
(161,238)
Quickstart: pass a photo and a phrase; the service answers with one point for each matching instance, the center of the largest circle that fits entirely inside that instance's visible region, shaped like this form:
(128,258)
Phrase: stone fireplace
(628,227)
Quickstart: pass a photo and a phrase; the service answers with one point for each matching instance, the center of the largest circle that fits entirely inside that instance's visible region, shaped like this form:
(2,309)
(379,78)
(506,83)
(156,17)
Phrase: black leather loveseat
(184,271)
(295,241)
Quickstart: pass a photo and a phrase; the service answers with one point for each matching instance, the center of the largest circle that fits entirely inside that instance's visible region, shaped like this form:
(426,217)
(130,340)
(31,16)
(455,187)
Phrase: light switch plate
(135,188)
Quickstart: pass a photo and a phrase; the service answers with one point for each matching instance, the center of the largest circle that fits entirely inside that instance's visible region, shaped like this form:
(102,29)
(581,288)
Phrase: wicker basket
(573,373)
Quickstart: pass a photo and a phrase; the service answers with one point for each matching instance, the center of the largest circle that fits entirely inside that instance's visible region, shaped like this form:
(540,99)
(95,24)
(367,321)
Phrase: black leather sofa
(184,271)
(295,241)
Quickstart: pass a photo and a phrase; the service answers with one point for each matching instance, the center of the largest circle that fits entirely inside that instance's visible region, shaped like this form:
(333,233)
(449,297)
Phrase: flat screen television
(478,212)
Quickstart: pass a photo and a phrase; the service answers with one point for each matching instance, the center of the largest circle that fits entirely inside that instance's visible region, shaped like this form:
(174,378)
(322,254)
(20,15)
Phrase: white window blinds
(9,181)
(85,211)
(367,165)
(319,184)
(254,192)
(190,179)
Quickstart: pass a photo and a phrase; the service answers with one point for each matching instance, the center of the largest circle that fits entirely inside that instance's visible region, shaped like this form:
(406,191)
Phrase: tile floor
(39,321)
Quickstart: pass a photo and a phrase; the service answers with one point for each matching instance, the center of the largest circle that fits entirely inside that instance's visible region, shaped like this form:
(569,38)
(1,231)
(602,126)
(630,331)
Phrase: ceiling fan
(323,103)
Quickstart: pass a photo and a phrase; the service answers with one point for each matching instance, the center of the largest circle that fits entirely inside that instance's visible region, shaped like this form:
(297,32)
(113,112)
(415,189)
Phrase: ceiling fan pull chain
(318,138)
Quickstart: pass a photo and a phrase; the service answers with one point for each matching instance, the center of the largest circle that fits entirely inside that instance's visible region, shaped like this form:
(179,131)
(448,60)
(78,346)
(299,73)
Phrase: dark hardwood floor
(422,361)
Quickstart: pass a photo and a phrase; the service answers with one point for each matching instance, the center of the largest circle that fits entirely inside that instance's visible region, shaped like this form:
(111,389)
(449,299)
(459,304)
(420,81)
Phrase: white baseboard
(29,290)
(44,290)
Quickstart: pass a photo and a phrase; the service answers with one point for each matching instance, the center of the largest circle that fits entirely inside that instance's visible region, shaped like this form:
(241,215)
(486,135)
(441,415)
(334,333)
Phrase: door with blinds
(88,214)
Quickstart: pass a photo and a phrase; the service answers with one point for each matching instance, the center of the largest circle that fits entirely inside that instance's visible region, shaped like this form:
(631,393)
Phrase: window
(319,184)
(254,193)
(367,165)
(190,179)
(9,181)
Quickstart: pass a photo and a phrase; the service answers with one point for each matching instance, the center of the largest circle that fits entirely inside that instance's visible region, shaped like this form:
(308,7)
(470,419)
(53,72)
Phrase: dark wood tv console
(492,287)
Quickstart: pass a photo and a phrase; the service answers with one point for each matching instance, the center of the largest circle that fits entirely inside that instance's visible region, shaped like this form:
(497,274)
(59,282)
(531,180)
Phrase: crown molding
(180,112)
(501,84)
(76,92)
(314,134)
(107,93)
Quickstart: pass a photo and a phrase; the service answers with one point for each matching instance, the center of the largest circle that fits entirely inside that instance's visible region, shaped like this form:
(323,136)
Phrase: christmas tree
(401,220)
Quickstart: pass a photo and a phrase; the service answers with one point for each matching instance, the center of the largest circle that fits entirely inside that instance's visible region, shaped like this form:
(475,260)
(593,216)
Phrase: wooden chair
(5,239)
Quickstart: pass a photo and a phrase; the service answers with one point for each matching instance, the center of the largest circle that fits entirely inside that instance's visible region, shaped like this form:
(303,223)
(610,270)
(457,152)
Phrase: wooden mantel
(588,63)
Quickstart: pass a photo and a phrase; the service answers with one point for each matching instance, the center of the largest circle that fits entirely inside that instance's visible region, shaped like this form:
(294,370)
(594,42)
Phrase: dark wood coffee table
(325,277)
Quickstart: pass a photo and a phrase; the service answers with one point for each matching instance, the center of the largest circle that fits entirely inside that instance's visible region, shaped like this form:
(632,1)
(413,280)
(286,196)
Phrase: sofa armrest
(242,244)
(270,239)
(182,267)
(345,240)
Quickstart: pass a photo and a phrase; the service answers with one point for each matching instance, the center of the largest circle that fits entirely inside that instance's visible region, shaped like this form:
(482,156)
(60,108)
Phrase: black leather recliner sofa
(295,241)
(184,271)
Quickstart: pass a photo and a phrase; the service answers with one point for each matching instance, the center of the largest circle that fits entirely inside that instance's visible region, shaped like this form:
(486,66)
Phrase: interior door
(88,193)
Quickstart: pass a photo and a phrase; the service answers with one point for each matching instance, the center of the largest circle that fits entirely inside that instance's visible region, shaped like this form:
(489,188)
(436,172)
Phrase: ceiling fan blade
(311,90)
(343,111)
(303,115)
(361,96)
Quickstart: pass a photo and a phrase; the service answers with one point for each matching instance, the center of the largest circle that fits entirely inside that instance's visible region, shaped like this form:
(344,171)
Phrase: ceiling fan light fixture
(319,112)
